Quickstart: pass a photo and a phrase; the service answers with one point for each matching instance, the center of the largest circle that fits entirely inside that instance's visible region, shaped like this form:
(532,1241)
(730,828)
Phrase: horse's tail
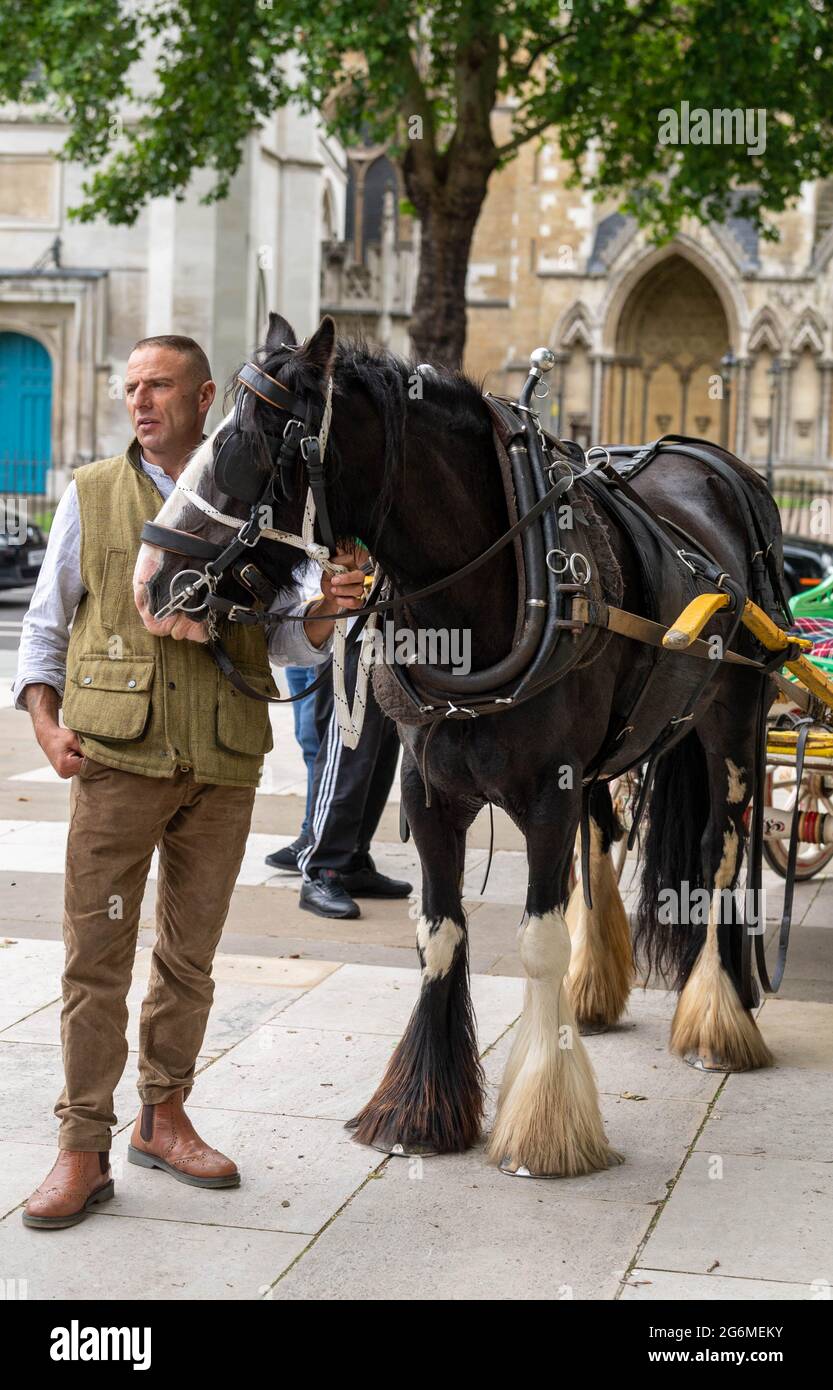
(665,941)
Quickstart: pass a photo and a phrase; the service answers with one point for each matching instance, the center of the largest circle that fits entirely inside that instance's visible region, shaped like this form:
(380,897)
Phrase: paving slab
(30,971)
(810,971)
(24,1166)
(320,1074)
(111,1257)
(656,1285)
(378,1000)
(800,1034)
(248,991)
(32,1081)
(507,881)
(31,904)
(294,1174)
(783,1112)
(634,1058)
(752,1217)
(236,1010)
(455,1227)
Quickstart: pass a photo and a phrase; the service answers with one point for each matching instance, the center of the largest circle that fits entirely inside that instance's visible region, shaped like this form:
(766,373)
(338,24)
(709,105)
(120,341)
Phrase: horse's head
(254,459)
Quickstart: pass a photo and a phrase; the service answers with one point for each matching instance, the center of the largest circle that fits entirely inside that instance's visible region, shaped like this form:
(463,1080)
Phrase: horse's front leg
(430,1099)
(548,1122)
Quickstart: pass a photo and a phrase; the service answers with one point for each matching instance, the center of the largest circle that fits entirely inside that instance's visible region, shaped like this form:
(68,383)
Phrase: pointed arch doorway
(671,336)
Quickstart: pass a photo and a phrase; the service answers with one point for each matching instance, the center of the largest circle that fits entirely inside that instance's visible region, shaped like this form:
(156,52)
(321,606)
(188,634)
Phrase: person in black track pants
(350,790)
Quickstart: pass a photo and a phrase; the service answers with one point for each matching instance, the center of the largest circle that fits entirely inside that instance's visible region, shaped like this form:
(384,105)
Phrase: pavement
(727,1187)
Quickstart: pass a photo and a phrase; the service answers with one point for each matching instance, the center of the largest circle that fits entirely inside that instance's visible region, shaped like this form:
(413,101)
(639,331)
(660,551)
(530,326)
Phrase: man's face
(166,401)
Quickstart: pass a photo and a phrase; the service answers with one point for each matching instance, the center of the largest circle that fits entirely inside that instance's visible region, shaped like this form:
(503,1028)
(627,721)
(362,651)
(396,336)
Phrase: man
(350,791)
(347,793)
(162,752)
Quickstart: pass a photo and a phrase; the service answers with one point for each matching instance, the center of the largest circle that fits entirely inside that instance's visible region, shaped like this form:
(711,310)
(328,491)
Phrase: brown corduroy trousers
(117,819)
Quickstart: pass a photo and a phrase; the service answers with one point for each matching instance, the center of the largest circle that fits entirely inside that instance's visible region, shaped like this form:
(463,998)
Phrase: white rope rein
(350,719)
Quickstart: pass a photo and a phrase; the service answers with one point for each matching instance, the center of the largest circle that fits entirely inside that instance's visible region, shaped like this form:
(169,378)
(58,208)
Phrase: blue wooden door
(25,414)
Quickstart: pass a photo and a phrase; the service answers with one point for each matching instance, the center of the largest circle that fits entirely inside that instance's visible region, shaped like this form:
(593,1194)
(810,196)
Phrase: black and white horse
(414,474)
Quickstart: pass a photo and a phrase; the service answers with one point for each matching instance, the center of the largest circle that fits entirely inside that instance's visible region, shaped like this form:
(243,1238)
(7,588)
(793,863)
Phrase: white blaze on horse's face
(151,557)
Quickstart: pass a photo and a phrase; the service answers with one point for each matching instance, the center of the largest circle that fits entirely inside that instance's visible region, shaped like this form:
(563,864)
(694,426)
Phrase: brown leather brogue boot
(77,1181)
(163,1137)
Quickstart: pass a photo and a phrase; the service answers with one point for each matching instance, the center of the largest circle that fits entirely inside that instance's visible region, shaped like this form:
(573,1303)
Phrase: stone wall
(641,332)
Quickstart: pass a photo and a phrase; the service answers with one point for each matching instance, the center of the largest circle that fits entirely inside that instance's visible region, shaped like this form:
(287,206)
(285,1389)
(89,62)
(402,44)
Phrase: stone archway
(670,337)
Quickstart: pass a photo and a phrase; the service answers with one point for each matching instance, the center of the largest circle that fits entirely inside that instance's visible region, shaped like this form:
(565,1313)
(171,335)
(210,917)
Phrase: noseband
(303,435)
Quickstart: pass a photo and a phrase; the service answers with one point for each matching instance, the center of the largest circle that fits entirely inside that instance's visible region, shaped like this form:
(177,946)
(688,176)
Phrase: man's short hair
(200,365)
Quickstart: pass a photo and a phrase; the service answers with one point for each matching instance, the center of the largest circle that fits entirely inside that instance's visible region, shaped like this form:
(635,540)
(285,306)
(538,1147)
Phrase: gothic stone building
(718,333)
(307,227)
(75,297)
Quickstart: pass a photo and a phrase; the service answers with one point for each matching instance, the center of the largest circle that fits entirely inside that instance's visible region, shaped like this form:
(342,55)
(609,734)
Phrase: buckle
(460,709)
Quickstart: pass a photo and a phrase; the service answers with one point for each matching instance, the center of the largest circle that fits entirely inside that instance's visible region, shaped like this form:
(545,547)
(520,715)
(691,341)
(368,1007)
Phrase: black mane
(450,403)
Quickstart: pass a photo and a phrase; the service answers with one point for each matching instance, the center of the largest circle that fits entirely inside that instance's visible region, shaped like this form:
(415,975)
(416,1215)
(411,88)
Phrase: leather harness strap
(647,631)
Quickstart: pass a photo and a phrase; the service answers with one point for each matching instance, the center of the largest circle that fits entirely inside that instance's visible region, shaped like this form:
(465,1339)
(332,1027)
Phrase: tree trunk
(447,187)
(438,325)
(447,191)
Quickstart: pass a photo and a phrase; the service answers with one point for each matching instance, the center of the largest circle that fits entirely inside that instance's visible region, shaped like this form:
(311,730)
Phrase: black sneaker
(287,858)
(326,896)
(365,881)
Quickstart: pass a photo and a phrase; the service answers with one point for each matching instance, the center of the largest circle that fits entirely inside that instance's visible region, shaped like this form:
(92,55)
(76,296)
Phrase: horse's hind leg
(711,1023)
(548,1121)
(430,1099)
(601,966)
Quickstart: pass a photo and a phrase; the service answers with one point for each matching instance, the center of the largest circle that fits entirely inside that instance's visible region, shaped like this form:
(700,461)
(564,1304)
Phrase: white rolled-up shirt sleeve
(44,638)
(288,642)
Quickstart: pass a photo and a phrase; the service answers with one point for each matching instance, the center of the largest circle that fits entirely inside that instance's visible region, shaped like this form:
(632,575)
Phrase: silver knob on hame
(542,359)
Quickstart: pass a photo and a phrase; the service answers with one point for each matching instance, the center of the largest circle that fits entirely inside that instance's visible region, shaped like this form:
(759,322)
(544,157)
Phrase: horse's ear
(320,349)
(279,331)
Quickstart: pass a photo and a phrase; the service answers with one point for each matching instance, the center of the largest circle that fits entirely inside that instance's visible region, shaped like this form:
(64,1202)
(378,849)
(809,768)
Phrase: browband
(270,390)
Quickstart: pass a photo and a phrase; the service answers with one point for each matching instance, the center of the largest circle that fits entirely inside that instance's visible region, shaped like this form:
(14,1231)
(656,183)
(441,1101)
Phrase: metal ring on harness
(564,567)
(588,569)
(184,585)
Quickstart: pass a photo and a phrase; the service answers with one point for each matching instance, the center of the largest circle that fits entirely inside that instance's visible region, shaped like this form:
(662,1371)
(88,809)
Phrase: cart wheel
(815,794)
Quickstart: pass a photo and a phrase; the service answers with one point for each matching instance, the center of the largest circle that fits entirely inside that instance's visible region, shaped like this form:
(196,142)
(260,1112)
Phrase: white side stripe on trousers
(325,790)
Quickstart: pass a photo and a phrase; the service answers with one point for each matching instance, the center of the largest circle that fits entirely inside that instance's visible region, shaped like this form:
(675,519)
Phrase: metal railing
(24,491)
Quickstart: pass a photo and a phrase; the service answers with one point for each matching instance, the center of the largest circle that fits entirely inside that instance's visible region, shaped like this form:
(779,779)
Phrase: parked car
(21,558)
(806,563)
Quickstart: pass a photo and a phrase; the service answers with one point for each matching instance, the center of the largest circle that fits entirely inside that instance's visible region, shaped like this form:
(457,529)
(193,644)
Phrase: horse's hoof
(521,1171)
(590,1030)
(407,1150)
(693,1059)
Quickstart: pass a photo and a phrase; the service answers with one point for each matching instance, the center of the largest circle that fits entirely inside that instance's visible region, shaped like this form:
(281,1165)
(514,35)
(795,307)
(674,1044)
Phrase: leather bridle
(303,436)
